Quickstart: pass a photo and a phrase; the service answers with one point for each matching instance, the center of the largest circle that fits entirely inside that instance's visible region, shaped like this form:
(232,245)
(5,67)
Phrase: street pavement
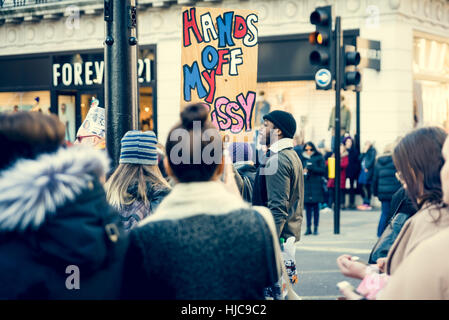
(316,255)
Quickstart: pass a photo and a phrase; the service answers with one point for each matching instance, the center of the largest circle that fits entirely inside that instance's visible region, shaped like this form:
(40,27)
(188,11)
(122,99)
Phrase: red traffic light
(319,17)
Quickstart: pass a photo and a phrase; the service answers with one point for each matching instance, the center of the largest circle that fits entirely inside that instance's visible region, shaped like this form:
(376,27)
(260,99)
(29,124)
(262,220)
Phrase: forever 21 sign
(89,73)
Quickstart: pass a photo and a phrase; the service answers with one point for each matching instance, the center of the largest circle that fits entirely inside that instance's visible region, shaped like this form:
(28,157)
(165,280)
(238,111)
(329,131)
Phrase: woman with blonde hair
(137,186)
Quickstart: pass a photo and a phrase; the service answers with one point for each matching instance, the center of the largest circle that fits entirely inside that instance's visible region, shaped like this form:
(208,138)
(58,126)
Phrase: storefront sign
(89,73)
(219,64)
(370,53)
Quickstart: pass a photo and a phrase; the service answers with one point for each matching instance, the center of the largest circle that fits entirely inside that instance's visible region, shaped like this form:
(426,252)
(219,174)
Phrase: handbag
(282,272)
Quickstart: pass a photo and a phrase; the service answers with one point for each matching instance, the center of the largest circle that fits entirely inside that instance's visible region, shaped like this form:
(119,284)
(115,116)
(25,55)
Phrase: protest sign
(93,130)
(219,64)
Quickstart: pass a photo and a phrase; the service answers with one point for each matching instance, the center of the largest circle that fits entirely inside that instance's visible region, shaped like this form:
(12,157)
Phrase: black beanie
(284,121)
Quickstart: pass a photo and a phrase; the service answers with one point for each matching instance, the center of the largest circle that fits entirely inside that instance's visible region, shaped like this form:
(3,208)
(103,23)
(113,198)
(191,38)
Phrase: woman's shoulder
(433,213)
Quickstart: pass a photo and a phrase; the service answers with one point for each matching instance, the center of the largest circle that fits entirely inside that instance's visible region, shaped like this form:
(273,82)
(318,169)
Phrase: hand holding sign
(92,130)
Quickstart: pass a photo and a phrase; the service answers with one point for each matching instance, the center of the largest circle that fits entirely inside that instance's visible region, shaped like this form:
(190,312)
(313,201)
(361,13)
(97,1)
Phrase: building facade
(53,50)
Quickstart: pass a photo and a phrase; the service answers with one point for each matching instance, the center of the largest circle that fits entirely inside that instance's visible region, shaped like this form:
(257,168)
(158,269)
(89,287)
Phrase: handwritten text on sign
(219,64)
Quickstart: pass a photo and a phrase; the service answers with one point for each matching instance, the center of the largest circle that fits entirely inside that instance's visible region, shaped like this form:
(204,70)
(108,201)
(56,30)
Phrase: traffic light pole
(337,142)
(121,86)
(357,135)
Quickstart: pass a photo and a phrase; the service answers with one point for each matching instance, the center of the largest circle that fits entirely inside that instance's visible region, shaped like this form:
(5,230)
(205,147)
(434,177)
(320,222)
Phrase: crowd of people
(176,221)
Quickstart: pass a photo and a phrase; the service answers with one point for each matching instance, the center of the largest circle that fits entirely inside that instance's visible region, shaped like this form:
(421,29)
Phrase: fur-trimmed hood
(30,190)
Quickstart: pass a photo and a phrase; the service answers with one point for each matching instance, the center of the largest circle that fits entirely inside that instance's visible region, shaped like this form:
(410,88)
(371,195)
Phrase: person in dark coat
(385,185)
(352,171)
(314,170)
(279,183)
(245,171)
(367,160)
(402,208)
(59,238)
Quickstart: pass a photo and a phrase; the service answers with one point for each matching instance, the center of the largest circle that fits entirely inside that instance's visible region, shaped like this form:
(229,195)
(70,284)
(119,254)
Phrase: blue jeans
(383,217)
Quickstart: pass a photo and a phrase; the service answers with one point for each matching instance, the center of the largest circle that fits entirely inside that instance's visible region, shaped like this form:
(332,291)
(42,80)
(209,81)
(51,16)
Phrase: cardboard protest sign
(219,64)
(94,124)
(93,127)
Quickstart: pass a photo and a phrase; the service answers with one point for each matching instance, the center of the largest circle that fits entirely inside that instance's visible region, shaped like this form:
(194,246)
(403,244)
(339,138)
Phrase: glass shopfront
(66,83)
(431,80)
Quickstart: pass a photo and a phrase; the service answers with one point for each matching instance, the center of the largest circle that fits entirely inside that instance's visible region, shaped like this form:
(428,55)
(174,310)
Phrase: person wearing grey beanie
(279,182)
(137,186)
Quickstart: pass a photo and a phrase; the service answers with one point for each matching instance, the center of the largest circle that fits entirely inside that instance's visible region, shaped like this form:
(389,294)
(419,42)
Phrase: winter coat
(245,174)
(424,224)
(353,169)
(344,161)
(281,189)
(401,210)
(59,238)
(385,183)
(367,160)
(423,275)
(313,179)
(131,214)
(201,247)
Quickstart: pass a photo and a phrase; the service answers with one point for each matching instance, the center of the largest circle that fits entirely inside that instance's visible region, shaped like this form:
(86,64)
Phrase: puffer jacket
(385,183)
(59,238)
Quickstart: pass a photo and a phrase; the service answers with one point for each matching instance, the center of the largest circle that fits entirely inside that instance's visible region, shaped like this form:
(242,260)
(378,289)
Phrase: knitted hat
(240,151)
(284,121)
(139,147)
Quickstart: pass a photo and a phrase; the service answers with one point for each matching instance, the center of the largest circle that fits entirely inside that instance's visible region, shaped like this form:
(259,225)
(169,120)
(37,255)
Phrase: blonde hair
(127,174)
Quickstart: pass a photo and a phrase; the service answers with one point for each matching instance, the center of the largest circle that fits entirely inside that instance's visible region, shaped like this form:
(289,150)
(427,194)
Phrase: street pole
(357,135)
(338,75)
(121,86)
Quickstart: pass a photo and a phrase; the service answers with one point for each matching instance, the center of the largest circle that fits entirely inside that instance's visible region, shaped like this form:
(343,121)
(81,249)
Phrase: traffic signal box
(323,55)
(351,76)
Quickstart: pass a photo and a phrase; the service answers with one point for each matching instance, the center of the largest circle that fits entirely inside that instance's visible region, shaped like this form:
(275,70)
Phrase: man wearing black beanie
(279,183)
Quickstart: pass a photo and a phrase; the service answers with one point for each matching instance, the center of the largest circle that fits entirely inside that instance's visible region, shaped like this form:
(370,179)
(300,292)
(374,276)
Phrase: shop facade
(65,83)
(410,88)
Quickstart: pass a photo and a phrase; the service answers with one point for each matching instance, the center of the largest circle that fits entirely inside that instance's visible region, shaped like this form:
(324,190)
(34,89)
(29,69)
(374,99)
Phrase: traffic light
(322,57)
(351,76)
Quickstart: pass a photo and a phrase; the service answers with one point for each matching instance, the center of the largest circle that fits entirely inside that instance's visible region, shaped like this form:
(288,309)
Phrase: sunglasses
(308,149)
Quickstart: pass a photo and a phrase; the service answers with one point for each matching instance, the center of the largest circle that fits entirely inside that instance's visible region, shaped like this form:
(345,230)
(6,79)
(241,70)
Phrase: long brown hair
(418,159)
(128,174)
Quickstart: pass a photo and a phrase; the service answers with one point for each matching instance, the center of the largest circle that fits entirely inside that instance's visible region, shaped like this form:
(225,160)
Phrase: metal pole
(338,73)
(121,89)
(357,134)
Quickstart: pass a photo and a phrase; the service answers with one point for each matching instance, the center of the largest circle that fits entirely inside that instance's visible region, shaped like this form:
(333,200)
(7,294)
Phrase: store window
(146,109)
(311,108)
(25,101)
(146,58)
(431,80)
